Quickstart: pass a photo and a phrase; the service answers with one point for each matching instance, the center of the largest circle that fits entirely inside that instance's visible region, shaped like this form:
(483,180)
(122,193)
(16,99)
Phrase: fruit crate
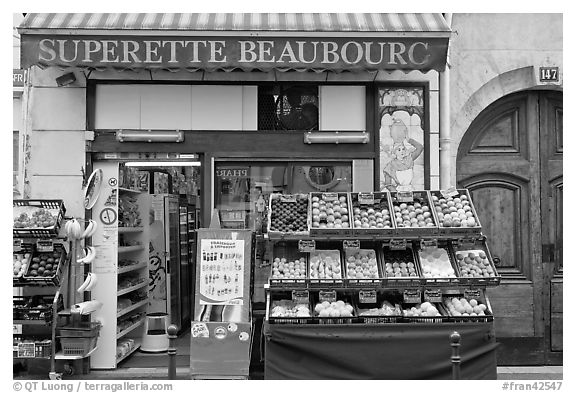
(378,204)
(25,249)
(443,317)
(362,255)
(290,211)
(334,320)
(57,266)
(288,251)
(392,256)
(415,205)
(35,308)
(317,282)
(284,299)
(459,197)
(316,214)
(489,317)
(438,253)
(393,299)
(479,248)
(29,207)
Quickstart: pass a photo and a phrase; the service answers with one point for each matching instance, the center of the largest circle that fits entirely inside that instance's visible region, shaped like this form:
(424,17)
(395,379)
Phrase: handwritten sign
(367,296)
(412,296)
(433,295)
(301,297)
(327,296)
(306,245)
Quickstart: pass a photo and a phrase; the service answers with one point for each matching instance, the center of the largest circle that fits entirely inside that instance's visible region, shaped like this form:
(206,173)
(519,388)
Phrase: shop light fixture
(336,137)
(162,163)
(165,136)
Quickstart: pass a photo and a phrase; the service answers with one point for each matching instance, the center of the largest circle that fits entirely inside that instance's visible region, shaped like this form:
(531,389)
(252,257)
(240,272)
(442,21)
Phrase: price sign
(470,294)
(449,192)
(367,296)
(306,245)
(412,296)
(352,245)
(288,198)
(433,295)
(365,199)
(398,244)
(330,196)
(327,296)
(466,241)
(44,245)
(17,245)
(405,196)
(301,297)
(428,243)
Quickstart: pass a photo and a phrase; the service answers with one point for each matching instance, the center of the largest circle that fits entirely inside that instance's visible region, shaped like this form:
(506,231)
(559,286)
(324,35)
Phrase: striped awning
(245,41)
(286,22)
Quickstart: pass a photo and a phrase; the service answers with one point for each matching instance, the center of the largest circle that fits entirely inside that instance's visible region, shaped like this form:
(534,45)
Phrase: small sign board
(470,294)
(365,199)
(16,328)
(352,245)
(330,196)
(412,296)
(367,296)
(327,296)
(308,245)
(398,244)
(428,243)
(449,192)
(405,196)
(17,78)
(288,198)
(17,245)
(433,295)
(301,297)
(44,245)
(549,74)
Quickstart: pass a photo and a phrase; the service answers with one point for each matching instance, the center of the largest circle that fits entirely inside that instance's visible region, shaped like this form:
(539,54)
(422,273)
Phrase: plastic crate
(20,206)
(388,255)
(357,281)
(489,317)
(441,281)
(443,317)
(347,298)
(54,279)
(77,346)
(290,252)
(475,246)
(373,200)
(284,297)
(326,282)
(435,196)
(422,198)
(379,319)
(296,206)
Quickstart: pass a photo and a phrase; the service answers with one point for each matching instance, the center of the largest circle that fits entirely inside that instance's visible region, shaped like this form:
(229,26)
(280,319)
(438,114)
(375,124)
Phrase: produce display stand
(304,339)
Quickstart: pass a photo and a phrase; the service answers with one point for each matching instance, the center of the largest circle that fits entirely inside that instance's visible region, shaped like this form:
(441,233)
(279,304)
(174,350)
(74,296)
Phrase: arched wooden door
(511,161)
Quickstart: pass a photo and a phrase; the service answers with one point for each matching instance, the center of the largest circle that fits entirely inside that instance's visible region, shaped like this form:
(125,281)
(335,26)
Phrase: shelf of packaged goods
(130,229)
(131,308)
(131,268)
(60,355)
(129,190)
(137,344)
(130,328)
(132,289)
(125,249)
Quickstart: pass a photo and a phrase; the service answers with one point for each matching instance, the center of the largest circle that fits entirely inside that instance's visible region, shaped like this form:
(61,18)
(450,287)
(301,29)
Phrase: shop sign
(17,78)
(246,53)
(232,172)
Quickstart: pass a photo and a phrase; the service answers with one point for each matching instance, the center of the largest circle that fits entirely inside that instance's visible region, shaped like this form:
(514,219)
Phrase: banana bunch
(89,283)
(89,255)
(74,230)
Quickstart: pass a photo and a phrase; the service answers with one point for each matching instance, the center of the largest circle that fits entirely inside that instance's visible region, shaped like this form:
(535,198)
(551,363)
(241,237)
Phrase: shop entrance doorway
(511,161)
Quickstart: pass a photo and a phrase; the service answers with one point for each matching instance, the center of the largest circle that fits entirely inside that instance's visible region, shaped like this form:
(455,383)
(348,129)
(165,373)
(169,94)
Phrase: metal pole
(172,331)
(455,344)
(445,139)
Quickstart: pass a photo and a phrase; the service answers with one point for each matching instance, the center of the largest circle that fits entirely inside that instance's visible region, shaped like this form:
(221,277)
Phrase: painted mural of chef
(398,170)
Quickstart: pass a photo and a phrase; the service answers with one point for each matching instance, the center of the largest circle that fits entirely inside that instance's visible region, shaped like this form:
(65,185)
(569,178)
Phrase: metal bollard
(172,331)
(455,344)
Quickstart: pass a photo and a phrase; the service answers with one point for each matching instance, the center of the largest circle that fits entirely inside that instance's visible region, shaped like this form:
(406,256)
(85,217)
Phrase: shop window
(242,190)
(288,107)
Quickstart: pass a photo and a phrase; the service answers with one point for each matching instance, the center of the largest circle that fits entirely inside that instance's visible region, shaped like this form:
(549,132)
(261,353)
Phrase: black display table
(383,351)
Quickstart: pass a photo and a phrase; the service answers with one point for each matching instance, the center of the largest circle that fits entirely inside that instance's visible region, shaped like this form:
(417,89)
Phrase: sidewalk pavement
(534,373)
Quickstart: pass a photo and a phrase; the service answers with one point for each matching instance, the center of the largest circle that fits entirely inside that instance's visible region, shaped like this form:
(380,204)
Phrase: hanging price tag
(433,295)
(405,196)
(352,245)
(306,245)
(301,297)
(412,296)
(365,199)
(470,294)
(288,198)
(327,296)
(367,296)
(398,244)
(428,243)
(44,245)
(17,245)
(449,192)
(330,196)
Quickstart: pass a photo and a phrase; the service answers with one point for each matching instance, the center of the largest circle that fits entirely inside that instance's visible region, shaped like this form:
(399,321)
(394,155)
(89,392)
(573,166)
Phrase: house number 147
(549,74)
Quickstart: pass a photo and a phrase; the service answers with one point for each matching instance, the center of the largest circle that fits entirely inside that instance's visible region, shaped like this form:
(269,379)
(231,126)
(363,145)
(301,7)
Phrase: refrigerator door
(157,259)
(184,266)
(172,213)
